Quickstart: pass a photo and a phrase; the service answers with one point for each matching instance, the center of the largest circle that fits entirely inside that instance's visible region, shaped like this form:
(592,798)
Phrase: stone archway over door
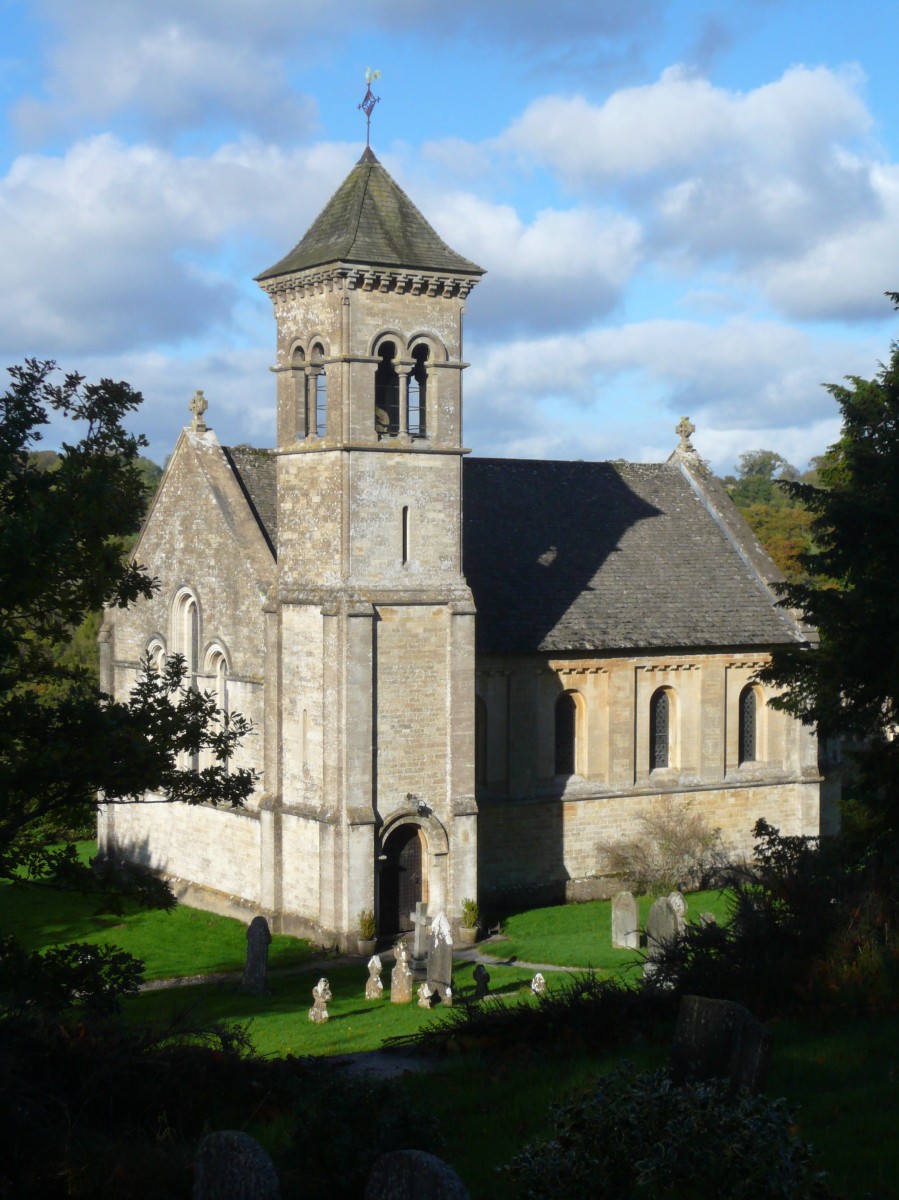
(400,885)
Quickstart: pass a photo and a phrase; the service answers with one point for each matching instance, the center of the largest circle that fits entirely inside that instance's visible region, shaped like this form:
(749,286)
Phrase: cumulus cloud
(110,246)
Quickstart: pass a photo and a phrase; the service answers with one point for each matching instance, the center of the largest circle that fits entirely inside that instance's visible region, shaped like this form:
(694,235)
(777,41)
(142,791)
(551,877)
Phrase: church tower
(369,727)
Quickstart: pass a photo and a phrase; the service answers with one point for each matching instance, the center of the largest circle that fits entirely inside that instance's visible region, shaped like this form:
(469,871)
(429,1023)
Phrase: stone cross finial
(198,407)
(685,430)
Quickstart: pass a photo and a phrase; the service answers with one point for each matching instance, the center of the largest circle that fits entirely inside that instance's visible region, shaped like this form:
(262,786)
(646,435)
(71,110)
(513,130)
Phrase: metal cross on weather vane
(369,103)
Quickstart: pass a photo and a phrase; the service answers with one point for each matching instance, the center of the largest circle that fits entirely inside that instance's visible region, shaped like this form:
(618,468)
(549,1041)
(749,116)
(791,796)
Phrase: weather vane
(369,103)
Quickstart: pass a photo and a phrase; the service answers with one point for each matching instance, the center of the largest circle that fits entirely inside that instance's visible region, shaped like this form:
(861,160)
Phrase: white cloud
(111,246)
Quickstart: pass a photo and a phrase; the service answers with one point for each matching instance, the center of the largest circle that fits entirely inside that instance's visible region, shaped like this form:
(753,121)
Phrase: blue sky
(684,206)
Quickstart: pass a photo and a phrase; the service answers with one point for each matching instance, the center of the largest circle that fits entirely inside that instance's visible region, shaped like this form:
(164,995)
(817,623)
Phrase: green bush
(642,1136)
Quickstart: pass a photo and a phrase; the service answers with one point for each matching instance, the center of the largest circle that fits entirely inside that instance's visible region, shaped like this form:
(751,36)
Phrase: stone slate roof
(568,556)
(605,556)
(371,220)
(255,472)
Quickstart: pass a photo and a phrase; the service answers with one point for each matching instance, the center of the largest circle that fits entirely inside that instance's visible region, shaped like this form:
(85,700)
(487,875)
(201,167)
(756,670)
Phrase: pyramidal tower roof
(371,220)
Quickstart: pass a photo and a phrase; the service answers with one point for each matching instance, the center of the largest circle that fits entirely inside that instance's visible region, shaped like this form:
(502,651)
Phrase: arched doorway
(400,881)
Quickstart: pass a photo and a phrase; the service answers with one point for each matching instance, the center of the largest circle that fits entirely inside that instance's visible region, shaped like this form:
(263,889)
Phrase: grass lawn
(580,935)
(279,1023)
(171,944)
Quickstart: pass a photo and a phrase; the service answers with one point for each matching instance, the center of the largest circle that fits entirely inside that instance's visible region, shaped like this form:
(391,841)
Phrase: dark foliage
(642,1136)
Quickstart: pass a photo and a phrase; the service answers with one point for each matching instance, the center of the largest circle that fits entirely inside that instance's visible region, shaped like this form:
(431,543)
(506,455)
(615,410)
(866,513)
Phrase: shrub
(643,1136)
(675,848)
(367,927)
(471,914)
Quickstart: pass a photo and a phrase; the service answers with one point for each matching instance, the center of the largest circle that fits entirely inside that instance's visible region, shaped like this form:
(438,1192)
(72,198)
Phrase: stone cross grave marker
(440,956)
(538,984)
(321,994)
(625,922)
(401,976)
(679,904)
(661,927)
(427,996)
(255,972)
(420,921)
(481,982)
(374,988)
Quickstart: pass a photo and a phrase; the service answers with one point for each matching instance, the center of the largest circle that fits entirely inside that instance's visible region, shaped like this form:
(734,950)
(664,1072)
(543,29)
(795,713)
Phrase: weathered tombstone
(440,955)
(427,996)
(233,1166)
(707,918)
(401,976)
(255,972)
(661,928)
(321,994)
(374,988)
(679,904)
(481,982)
(420,921)
(409,1174)
(625,922)
(719,1039)
(538,984)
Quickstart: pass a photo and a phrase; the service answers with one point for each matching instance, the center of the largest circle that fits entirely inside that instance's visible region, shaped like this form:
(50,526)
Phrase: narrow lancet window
(659,730)
(319,398)
(387,393)
(418,393)
(748,724)
(566,734)
(405,534)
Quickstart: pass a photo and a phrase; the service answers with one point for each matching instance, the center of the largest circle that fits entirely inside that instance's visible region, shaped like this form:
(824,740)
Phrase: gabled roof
(370,220)
(564,556)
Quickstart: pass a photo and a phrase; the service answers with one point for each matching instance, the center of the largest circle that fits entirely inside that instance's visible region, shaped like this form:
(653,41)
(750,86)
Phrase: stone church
(468,677)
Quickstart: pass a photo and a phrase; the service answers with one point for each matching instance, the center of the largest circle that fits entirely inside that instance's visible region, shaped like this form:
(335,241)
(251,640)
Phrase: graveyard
(488,1095)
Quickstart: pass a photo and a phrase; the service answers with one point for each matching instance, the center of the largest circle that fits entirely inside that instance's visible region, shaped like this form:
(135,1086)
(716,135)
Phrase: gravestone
(411,1174)
(719,1039)
(255,972)
(661,928)
(321,994)
(374,988)
(427,996)
(420,922)
(538,984)
(679,904)
(625,922)
(481,982)
(401,976)
(231,1165)
(706,919)
(440,956)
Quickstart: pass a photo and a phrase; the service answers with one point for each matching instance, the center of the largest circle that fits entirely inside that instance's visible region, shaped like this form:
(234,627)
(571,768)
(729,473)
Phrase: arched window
(566,734)
(748,724)
(300,423)
(217,667)
(418,392)
(318,400)
(480,740)
(156,654)
(186,622)
(387,393)
(659,730)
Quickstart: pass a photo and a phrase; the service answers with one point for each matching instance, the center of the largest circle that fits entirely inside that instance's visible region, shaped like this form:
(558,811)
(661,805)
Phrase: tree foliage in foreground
(849,683)
(61,740)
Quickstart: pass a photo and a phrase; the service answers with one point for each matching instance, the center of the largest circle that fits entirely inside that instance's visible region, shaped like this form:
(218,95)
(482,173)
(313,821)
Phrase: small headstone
(481,982)
(255,972)
(719,1039)
(661,928)
(231,1165)
(321,994)
(679,904)
(706,919)
(440,954)
(420,921)
(374,988)
(410,1174)
(625,922)
(538,984)
(401,976)
(427,997)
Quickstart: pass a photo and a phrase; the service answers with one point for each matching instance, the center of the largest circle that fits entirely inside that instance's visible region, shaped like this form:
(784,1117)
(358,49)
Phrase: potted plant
(367,930)
(471,917)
